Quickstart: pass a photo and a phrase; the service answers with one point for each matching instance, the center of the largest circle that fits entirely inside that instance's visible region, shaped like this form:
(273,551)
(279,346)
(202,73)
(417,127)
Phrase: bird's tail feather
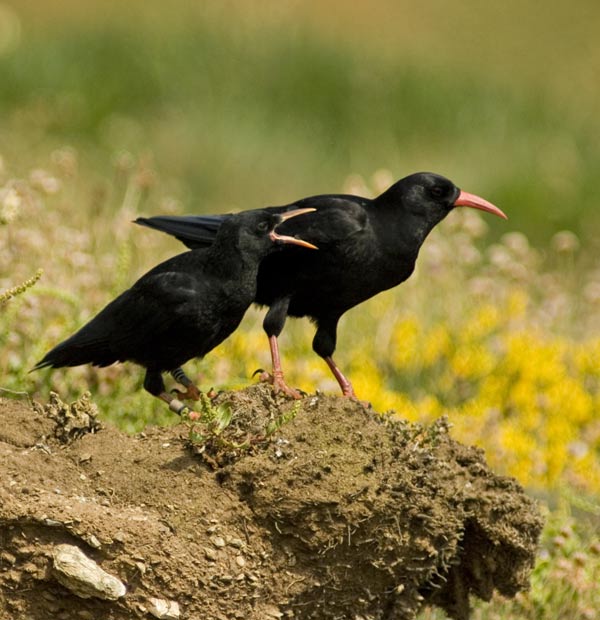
(80,348)
(195,231)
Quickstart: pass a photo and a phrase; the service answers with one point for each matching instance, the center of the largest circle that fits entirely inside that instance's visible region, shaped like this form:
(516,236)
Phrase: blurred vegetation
(109,110)
(248,104)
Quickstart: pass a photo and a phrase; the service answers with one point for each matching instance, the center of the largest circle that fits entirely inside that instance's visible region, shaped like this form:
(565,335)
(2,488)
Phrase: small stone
(14,575)
(30,568)
(163,609)
(235,542)
(7,557)
(272,612)
(217,541)
(92,541)
(86,457)
(141,567)
(240,561)
(120,536)
(82,576)
(210,554)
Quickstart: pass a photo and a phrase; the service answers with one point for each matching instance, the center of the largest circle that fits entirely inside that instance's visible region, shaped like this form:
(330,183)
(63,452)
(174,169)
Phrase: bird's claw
(191,393)
(278,383)
(284,388)
(364,403)
(348,392)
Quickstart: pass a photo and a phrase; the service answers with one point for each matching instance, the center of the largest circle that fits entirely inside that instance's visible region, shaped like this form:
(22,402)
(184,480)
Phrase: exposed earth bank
(339,514)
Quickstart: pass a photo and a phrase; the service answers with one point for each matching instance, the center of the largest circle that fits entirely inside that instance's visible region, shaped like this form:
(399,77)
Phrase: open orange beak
(286,238)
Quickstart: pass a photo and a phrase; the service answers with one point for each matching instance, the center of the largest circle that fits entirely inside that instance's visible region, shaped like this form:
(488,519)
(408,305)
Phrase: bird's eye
(437,191)
(263,227)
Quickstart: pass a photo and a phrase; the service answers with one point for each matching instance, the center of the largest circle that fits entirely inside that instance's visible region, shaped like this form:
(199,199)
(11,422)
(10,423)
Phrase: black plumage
(182,308)
(365,246)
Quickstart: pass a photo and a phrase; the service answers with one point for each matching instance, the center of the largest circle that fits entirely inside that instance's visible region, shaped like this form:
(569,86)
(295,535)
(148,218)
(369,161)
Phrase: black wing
(335,220)
(339,216)
(131,327)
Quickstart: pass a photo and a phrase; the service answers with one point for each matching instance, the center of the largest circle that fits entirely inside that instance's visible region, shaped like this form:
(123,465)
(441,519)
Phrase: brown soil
(340,514)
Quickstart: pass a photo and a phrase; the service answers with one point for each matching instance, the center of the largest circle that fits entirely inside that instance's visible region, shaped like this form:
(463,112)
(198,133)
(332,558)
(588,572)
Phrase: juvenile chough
(365,247)
(182,308)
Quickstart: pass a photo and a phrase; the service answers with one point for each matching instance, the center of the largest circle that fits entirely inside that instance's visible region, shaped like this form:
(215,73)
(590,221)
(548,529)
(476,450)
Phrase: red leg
(276,379)
(347,389)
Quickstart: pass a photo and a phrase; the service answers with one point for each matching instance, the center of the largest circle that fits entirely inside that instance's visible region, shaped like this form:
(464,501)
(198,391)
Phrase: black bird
(365,247)
(182,308)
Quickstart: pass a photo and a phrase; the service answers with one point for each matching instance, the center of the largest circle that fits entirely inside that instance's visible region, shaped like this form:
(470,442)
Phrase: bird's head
(431,197)
(258,230)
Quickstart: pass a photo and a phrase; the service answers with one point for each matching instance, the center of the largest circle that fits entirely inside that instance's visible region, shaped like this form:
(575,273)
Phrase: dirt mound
(340,513)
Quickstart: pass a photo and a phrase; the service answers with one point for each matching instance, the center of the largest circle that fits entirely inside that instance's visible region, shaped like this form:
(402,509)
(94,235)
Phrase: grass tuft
(13,292)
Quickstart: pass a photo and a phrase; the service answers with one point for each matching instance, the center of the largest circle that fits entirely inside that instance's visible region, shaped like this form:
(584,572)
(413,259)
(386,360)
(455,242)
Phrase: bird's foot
(363,403)
(344,383)
(348,392)
(191,393)
(279,385)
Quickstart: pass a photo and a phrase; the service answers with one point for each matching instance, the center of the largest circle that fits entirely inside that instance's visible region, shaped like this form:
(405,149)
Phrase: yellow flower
(482,322)
(437,345)
(404,343)
(517,303)
(471,362)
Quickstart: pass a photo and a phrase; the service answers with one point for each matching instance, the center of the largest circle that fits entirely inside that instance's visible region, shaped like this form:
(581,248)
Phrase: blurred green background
(243,104)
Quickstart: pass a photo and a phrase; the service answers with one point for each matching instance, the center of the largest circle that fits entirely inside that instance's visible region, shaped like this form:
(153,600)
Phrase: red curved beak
(292,240)
(471,200)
